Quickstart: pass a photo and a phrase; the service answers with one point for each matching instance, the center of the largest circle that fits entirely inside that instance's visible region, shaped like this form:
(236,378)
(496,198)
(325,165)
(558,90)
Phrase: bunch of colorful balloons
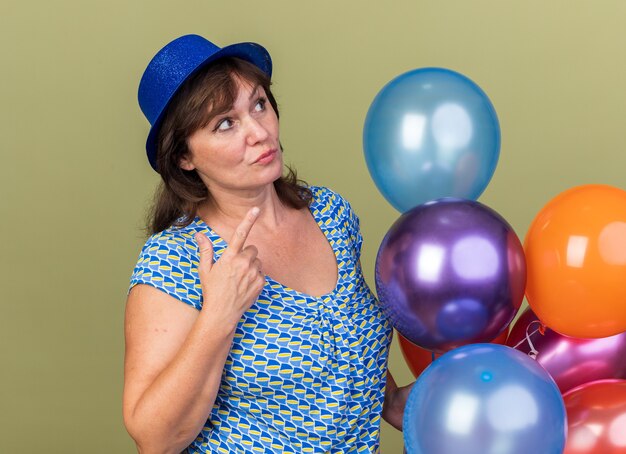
(451,275)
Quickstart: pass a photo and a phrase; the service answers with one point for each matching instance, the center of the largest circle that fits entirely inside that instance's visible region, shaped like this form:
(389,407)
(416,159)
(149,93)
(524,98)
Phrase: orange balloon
(418,358)
(596,418)
(576,262)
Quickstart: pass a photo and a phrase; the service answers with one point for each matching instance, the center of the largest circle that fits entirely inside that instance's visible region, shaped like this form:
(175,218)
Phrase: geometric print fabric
(305,374)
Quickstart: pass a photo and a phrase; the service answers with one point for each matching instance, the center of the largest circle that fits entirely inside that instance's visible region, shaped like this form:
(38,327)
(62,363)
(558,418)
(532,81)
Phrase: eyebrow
(254,91)
(220,116)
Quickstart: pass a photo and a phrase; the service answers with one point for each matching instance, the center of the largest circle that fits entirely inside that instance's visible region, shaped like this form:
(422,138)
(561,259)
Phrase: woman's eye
(225,124)
(260,105)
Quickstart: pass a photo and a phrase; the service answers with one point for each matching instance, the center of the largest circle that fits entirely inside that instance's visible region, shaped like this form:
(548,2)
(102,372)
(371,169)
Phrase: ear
(185,163)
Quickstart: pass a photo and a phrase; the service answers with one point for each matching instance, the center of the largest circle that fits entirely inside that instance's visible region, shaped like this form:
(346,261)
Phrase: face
(238,149)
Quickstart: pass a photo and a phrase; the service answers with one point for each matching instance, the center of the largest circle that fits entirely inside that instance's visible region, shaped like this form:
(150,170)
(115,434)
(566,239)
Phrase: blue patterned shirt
(305,374)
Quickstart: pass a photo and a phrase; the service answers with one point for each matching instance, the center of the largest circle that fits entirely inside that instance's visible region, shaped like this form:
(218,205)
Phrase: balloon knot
(542,329)
(533,351)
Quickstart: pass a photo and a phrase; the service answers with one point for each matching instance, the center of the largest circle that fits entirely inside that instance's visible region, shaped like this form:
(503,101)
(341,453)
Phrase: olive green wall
(75,182)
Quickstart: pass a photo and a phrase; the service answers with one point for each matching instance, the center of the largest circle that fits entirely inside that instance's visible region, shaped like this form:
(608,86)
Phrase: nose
(257,132)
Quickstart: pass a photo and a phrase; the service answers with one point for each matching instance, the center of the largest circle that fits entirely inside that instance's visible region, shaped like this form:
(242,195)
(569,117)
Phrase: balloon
(596,418)
(576,255)
(484,398)
(571,361)
(431,133)
(419,359)
(450,272)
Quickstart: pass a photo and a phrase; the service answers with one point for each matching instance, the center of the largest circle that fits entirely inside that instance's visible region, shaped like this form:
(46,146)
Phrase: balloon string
(525,338)
(533,351)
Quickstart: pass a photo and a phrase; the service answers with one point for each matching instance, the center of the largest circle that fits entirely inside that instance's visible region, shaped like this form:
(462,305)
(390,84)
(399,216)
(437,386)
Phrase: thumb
(206,252)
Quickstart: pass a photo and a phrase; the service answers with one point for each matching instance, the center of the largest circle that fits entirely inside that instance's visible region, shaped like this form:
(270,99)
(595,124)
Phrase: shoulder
(331,208)
(171,252)
(327,197)
(329,204)
(168,261)
(172,239)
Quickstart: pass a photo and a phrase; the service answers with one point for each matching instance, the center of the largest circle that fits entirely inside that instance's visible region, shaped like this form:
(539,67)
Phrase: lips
(266,157)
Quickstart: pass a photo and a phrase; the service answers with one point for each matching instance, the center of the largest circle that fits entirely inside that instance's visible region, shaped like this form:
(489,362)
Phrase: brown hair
(208,93)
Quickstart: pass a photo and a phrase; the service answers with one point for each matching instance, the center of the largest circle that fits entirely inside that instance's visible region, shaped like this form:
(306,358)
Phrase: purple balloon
(450,272)
(570,361)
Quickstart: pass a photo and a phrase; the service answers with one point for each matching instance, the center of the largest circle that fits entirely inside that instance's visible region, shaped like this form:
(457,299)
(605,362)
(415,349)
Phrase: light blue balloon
(484,398)
(431,133)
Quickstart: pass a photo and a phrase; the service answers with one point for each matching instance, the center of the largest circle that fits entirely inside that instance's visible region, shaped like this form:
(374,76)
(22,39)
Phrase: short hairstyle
(208,93)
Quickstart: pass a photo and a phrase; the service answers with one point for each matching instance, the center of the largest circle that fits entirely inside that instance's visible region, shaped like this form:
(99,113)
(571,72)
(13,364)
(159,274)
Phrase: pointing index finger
(243,229)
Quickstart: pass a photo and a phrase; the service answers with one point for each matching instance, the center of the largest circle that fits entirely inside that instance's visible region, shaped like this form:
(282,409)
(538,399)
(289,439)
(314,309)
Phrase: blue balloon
(484,398)
(431,133)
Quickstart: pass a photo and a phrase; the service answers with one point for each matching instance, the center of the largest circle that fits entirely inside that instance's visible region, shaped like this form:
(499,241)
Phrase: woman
(279,345)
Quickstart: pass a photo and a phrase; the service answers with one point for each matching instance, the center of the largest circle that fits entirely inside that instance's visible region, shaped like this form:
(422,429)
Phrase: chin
(278,170)
(277,176)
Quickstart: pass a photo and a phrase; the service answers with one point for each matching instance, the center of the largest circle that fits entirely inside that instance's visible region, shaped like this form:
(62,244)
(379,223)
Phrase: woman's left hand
(395,401)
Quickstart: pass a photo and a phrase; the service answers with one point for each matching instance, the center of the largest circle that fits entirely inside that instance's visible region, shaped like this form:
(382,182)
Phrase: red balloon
(418,358)
(570,361)
(596,418)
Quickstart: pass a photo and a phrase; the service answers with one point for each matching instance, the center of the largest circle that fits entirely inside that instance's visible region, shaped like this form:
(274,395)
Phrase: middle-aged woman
(249,326)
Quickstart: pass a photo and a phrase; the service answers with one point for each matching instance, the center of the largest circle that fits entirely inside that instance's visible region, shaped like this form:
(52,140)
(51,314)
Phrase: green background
(75,182)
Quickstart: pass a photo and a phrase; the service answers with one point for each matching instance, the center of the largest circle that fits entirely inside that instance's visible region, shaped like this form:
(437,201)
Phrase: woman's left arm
(395,401)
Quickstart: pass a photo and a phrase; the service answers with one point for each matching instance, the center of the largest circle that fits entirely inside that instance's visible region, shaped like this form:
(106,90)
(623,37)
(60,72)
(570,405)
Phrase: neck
(229,207)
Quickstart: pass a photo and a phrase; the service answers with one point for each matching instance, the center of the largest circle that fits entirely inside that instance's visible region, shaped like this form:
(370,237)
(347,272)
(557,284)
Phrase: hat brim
(251,52)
